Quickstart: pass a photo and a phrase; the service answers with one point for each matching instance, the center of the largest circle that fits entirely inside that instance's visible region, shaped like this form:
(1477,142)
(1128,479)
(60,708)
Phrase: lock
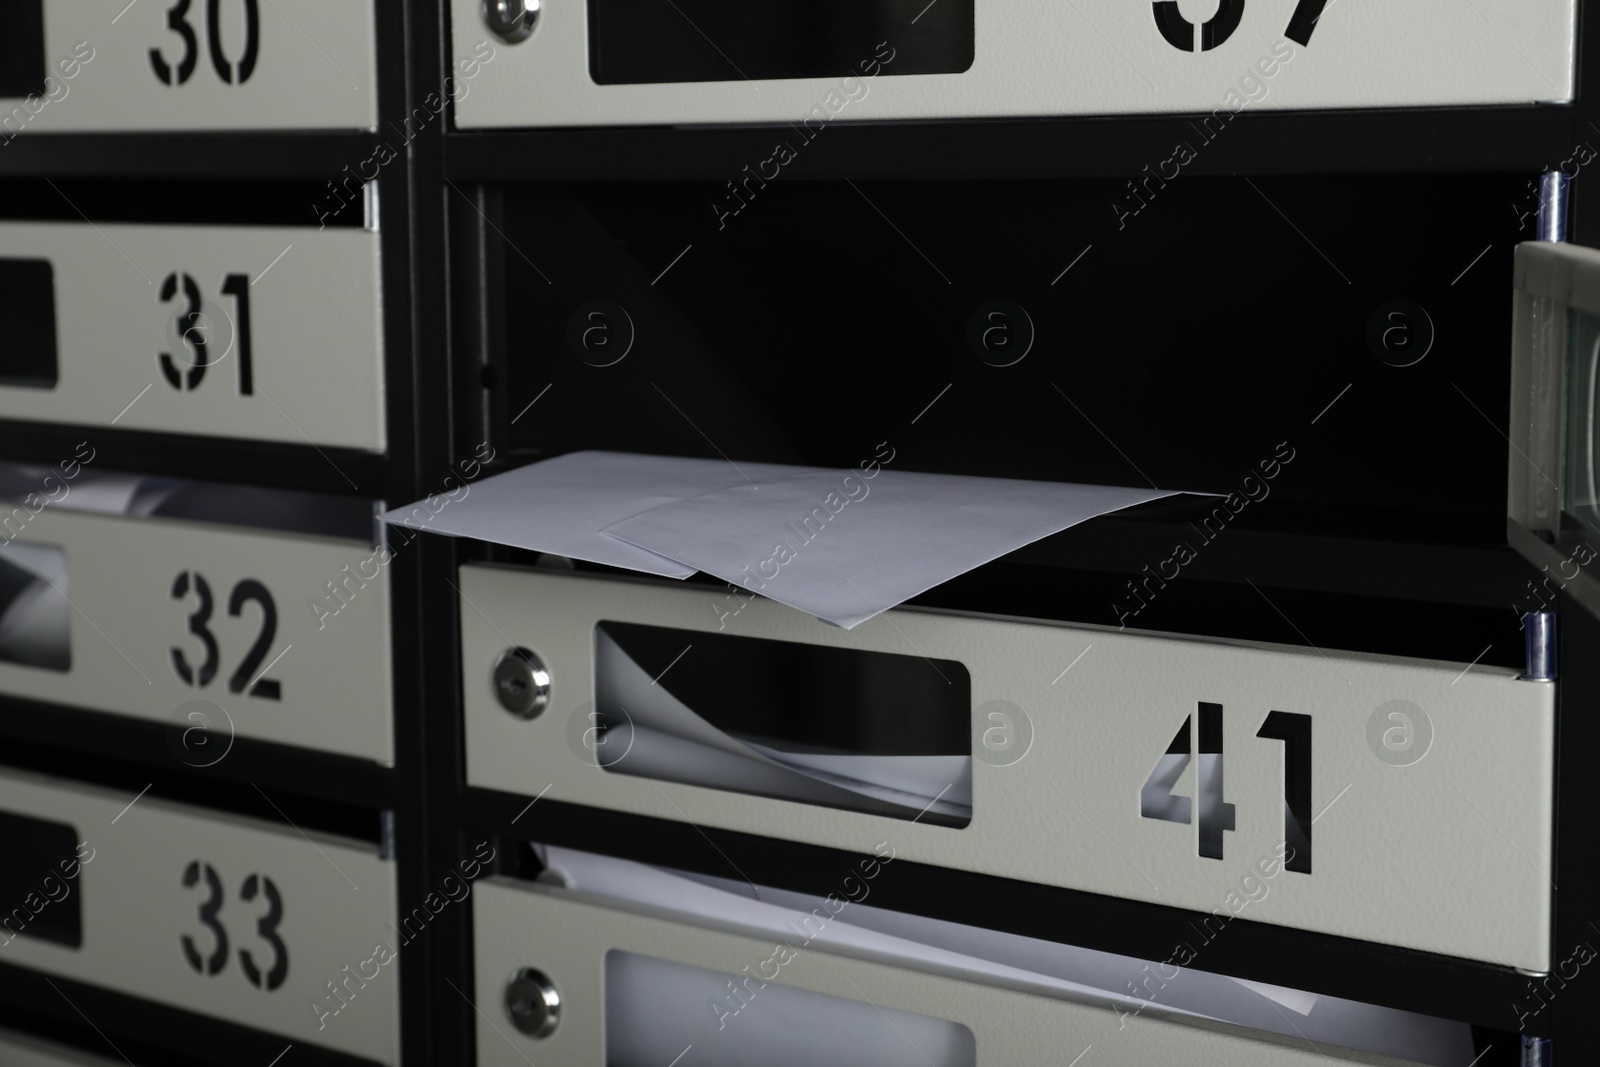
(511,20)
(521,683)
(533,1003)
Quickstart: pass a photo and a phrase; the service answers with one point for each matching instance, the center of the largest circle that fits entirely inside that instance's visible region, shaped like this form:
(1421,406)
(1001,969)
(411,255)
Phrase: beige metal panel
(336,903)
(315,331)
(1449,854)
(315,69)
(1035,57)
(331,663)
(566,936)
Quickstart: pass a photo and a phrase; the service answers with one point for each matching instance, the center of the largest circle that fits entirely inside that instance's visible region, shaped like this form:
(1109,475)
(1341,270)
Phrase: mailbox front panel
(566,937)
(214,914)
(79,66)
(1413,796)
(270,334)
(215,630)
(709,61)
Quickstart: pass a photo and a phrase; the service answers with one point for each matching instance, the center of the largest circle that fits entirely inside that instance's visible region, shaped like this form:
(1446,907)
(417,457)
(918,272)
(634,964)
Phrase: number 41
(1156,800)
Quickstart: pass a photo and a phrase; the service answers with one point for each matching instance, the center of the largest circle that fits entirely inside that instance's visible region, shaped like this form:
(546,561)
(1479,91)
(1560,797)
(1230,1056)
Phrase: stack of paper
(843,545)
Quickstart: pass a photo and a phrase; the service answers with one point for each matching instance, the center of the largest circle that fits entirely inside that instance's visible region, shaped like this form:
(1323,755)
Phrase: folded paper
(841,545)
(845,547)
(560,505)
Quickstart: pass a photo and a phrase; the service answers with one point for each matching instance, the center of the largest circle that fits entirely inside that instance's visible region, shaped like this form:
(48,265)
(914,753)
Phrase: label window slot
(28,308)
(38,888)
(650,41)
(22,70)
(652,1003)
(873,732)
(34,614)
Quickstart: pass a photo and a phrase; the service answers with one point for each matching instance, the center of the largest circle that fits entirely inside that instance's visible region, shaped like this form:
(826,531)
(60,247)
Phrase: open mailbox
(1554,497)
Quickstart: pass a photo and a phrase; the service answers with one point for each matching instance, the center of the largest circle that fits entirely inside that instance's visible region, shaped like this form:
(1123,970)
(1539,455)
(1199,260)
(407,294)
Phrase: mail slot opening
(652,1004)
(873,732)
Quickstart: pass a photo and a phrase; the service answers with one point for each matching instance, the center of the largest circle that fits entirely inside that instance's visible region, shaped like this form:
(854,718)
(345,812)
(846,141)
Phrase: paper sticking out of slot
(652,734)
(844,548)
(852,927)
(841,545)
(560,505)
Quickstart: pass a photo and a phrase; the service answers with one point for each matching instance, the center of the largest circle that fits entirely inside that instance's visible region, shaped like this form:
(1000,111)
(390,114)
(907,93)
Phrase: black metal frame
(1396,142)
(437,253)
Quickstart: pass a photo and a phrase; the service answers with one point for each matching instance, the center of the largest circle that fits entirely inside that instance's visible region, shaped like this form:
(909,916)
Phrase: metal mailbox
(544,995)
(218,631)
(1409,802)
(78,66)
(254,923)
(806,65)
(264,333)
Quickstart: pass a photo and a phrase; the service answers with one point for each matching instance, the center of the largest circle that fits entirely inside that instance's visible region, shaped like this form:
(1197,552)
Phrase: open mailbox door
(1553,506)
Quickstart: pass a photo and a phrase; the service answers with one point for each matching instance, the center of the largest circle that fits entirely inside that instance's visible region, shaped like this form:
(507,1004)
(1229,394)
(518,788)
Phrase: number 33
(266,928)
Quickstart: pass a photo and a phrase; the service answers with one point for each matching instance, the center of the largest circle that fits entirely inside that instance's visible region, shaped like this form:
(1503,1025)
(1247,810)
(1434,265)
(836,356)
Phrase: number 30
(178,22)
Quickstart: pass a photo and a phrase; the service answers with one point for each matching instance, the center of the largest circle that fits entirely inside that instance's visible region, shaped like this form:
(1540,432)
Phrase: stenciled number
(252,41)
(197,626)
(195,329)
(1179,31)
(238,287)
(193,334)
(178,22)
(1295,733)
(1156,799)
(248,589)
(266,928)
(1303,22)
(208,918)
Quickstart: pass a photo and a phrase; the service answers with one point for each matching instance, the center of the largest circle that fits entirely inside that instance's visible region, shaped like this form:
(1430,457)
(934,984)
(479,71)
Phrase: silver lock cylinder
(521,683)
(533,1003)
(1539,640)
(511,20)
